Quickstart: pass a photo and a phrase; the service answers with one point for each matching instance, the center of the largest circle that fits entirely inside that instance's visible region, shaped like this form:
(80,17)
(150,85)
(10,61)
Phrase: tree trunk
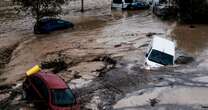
(82,6)
(37,11)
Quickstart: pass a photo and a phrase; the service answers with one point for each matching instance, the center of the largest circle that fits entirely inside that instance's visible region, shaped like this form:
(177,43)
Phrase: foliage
(193,11)
(41,8)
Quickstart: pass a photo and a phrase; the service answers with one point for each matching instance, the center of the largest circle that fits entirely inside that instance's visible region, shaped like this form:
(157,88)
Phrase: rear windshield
(161,57)
(63,97)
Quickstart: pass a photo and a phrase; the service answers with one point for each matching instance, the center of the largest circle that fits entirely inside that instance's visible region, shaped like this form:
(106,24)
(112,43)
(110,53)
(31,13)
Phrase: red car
(49,90)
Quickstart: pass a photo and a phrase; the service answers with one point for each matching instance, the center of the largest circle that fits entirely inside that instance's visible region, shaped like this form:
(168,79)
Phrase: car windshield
(62,97)
(161,57)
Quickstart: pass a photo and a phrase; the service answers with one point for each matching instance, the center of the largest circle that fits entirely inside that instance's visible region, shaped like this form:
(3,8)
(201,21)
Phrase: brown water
(92,35)
(192,40)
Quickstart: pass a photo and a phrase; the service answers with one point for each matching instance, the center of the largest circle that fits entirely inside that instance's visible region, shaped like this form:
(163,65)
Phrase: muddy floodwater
(191,39)
(104,55)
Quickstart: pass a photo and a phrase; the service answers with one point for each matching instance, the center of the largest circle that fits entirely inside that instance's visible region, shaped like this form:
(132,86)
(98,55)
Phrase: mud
(57,64)
(6,54)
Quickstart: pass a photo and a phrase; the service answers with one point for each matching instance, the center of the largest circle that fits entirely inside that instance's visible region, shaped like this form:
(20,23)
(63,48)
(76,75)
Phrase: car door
(62,24)
(41,88)
(29,92)
(55,25)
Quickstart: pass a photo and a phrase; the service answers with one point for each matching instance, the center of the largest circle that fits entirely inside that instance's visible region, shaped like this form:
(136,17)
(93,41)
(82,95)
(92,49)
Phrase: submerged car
(49,91)
(48,25)
(161,52)
(129,4)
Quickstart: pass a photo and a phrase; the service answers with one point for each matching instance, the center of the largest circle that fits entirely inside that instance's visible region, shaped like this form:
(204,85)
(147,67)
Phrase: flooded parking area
(104,54)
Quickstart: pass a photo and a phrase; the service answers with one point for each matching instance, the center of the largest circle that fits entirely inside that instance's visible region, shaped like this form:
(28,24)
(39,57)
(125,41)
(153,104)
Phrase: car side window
(60,21)
(41,87)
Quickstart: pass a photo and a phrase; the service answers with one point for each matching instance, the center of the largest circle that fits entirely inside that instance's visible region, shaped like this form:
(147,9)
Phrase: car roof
(163,45)
(48,19)
(53,81)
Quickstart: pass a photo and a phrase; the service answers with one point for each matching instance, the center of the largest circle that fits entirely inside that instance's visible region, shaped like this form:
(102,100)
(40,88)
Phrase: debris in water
(3,87)
(57,64)
(109,64)
(143,45)
(184,60)
(154,101)
(150,34)
(77,76)
(118,45)
(9,93)
(192,26)
(107,59)
(33,70)
(204,106)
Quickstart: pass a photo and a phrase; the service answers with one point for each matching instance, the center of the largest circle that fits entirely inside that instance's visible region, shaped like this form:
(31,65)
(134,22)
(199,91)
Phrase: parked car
(161,9)
(48,25)
(150,2)
(138,5)
(129,4)
(161,52)
(49,91)
(164,9)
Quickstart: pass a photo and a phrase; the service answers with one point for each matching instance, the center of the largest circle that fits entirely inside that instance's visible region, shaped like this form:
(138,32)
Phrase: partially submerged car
(129,4)
(161,9)
(161,52)
(164,8)
(49,91)
(47,25)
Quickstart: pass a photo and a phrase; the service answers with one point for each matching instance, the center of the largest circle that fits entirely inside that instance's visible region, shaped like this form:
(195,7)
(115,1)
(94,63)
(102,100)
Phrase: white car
(161,52)
(122,4)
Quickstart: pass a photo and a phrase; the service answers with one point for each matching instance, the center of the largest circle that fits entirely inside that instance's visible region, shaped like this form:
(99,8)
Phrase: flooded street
(104,54)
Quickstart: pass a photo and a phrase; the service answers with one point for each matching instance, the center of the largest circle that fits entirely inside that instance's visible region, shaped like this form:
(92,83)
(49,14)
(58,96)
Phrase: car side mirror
(146,55)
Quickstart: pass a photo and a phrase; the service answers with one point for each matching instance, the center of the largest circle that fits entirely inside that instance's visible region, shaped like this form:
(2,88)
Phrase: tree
(41,8)
(192,11)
